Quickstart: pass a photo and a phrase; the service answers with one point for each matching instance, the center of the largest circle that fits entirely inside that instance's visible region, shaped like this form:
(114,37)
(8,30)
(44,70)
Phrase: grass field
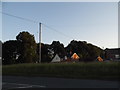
(96,70)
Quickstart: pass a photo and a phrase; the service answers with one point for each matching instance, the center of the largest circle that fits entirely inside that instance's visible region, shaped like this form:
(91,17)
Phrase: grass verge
(96,70)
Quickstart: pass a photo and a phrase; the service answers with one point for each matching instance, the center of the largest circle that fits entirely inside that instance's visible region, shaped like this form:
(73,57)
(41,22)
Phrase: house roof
(56,58)
(113,50)
(75,56)
(99,59)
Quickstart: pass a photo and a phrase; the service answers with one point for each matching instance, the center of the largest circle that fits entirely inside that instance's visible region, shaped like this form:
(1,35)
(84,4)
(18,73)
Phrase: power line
(19,17)
(33,21)
(57,31)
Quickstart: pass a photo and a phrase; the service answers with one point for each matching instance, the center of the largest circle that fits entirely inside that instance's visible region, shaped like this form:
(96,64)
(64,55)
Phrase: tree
(86,52)
(10,52)
(27,47)
(58,48)
(45,56)
(49,51)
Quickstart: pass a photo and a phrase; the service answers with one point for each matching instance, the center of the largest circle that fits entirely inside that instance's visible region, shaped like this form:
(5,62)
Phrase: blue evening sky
(94,22)
(0,21)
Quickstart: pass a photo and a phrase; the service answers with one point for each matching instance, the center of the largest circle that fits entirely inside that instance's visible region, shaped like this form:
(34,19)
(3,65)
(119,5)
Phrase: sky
(0,21)
(94,22)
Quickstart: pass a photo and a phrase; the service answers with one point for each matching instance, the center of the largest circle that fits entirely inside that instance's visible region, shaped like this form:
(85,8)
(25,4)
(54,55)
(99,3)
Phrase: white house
(56,58)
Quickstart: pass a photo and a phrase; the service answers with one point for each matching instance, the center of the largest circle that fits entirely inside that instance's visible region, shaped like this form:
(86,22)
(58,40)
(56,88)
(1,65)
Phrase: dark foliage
(22,50)
(86,51)
(10,52)
(27,47)
(26,50)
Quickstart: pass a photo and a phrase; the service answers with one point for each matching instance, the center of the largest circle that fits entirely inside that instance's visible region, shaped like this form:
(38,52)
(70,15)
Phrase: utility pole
(40,28)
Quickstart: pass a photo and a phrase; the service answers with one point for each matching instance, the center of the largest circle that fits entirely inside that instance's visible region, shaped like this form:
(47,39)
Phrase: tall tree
(27,47)
(45,57)
(58,48)
(10,52)
(86,52)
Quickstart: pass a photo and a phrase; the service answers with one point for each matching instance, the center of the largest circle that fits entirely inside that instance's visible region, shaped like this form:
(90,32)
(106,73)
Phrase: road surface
(19,82)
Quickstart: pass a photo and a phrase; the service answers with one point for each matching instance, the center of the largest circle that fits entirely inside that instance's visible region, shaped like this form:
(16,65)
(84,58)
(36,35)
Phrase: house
(75,56)
(56,58)
(99,59)
(112,54)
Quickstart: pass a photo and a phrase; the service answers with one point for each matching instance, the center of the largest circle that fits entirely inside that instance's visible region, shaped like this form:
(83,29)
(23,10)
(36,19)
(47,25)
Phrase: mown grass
(96,70)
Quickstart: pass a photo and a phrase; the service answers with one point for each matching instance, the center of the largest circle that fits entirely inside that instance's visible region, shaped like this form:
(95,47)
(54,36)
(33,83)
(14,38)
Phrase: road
(19,82)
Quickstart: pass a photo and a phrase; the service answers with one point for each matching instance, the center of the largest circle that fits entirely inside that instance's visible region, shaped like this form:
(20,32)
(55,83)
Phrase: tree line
(25,50)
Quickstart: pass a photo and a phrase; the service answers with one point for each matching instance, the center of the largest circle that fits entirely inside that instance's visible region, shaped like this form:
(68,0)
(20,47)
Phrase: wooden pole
(40,28)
